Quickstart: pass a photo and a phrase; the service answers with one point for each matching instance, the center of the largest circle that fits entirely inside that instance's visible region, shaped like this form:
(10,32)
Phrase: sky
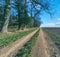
(47,21)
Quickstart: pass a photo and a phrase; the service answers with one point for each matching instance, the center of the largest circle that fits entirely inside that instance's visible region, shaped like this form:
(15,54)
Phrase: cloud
(58,19)
(58,23)
(51,24)
(48,25)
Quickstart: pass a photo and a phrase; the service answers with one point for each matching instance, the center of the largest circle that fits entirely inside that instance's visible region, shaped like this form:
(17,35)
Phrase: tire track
(12,49)
(40,48)
(44,47)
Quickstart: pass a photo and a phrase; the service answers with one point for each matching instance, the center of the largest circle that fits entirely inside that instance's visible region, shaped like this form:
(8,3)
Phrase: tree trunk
(19,19)
(6,16)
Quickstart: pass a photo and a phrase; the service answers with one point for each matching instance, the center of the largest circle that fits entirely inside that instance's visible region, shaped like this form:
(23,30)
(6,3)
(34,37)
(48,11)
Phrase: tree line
(22,13)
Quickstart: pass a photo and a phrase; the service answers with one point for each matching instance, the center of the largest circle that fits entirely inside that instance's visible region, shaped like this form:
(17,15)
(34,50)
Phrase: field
(35,42)
(54,34)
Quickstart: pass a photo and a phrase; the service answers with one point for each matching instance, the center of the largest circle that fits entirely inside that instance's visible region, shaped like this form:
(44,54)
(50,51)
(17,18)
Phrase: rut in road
(12,49)
(44,47)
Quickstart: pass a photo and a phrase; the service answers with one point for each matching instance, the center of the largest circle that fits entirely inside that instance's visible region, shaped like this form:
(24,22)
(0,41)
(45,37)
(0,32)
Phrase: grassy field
(54,33)
(6,39)
(26,50)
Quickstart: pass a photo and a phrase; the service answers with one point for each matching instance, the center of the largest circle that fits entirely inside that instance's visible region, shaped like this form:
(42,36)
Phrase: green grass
(7,39)
(54,37)
(26,50)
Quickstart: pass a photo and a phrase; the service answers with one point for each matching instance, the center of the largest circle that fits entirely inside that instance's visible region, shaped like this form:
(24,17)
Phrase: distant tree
(37,23)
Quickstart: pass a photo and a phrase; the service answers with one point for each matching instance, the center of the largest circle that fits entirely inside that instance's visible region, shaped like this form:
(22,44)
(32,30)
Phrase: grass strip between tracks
(26,50)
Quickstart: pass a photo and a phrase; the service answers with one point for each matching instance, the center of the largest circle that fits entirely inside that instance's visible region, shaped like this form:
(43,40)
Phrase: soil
(44,47)
(55,30)
(12,49)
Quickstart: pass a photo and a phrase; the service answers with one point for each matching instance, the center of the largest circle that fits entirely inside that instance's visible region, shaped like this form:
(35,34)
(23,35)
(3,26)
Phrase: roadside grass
(27,48)
(6,39)
(54,37)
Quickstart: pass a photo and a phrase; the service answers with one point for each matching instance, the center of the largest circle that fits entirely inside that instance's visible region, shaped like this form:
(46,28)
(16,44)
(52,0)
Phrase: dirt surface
(12,49)
(55,30)
(44,47)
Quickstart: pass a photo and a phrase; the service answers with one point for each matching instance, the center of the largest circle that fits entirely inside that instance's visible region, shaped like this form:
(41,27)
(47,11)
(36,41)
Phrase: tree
(19,7)
(6,15)
(23,17)
(2,3)
(38,6)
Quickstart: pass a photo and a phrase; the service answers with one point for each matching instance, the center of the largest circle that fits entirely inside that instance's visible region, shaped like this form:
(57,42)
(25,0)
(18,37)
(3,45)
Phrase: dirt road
(10,50)
(44,47)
